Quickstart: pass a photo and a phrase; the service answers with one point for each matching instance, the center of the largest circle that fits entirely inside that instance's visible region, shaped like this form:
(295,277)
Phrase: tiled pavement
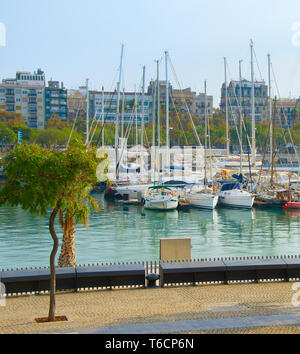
(237,308)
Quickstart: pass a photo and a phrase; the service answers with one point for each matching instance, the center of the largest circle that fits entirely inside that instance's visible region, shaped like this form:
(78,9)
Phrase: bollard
(151,280)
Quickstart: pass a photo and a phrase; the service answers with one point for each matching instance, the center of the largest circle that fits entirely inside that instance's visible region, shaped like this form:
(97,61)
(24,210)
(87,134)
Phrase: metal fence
(153,273)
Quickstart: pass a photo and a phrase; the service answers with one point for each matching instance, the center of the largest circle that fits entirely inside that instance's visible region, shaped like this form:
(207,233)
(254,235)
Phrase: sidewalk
(256,308)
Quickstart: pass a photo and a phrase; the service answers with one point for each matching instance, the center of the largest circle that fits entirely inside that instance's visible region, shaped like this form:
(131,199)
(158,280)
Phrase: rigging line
(187,108)
(257,64)
(232,112)
(240,108)
(126,136)
(127,132)
(284,114)
(98,120)
(74,123)
(178,117)
(105,120)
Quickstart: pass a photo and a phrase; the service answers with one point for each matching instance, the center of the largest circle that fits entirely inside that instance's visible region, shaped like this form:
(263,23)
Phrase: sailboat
(159,197)
(271,194)
(231,193)
(204,197)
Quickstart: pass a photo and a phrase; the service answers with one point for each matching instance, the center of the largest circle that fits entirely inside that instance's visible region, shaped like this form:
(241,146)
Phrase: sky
(72,40)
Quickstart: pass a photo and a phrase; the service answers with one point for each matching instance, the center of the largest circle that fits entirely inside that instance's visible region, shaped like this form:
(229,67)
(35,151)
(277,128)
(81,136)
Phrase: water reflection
(121,234)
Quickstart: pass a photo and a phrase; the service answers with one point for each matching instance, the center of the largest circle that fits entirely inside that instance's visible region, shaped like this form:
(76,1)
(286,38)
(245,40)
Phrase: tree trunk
(67,257)
(51,317)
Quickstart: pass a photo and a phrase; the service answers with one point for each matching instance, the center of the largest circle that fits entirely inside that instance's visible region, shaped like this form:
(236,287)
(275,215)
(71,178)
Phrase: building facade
(127,99)
(198,107)
(56,101)
(242,91)
(286,111)
(183,100)
(25,95)
(76,104)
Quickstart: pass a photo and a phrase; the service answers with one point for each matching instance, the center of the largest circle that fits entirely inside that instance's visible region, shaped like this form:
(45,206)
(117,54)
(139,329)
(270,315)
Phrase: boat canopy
(230,186)
(160,187)
(239,177)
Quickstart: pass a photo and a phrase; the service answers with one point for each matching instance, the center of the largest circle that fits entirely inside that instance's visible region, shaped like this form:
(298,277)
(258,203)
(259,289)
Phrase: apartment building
(239,97)
(286,111)
(56,101)
(127,99)
(25,94)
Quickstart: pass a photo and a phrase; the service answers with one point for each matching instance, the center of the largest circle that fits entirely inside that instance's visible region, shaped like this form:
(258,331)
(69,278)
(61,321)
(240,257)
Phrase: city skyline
(72,41)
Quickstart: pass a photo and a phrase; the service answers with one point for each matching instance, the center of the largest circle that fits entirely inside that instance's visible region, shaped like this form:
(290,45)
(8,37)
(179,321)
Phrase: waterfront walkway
(237,308)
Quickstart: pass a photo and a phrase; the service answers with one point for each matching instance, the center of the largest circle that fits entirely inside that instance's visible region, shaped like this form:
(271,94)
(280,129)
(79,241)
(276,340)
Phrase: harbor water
(130,234)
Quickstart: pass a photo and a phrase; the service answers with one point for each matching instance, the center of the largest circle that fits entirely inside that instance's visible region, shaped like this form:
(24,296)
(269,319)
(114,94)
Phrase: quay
(235,308)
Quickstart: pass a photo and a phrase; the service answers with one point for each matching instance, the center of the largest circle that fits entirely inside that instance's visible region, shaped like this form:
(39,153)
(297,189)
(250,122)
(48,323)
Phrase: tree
(12,118)
(55,122)
(48,137)
(40,179)
(26,131)
(7,135)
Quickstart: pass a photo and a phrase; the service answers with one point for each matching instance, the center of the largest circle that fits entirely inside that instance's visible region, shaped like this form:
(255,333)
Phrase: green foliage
(39,178)
(26,131)
(7,135)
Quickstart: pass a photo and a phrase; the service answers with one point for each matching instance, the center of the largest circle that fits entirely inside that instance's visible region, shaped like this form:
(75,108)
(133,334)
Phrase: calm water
(116,234)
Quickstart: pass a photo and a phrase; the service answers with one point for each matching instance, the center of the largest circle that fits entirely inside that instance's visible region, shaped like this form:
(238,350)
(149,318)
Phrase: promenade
(236,308)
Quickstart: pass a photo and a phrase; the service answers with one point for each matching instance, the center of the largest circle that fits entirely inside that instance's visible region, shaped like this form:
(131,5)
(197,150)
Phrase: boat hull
(134,192)
(236,200)
(203,200)
(292,205)
(161,204)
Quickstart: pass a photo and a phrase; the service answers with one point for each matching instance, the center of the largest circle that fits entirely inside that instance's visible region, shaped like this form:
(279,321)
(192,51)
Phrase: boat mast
(253,107)
(226,108)
(241,117)
(102,113)
(87,112)
(272,158)
(157,157)
(122,117)
(205,135)
(143,108)
(167,112)
(136,118)
(270,114)
(117,115)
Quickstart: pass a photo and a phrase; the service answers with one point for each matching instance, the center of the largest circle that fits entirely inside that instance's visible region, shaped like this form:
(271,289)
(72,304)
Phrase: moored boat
(292,205)
(232,195)
(204,198)
(160,198)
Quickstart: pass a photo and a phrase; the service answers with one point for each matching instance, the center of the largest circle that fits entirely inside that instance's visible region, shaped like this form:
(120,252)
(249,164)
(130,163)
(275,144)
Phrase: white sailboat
(232,195)
(205,197)
(159,197)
